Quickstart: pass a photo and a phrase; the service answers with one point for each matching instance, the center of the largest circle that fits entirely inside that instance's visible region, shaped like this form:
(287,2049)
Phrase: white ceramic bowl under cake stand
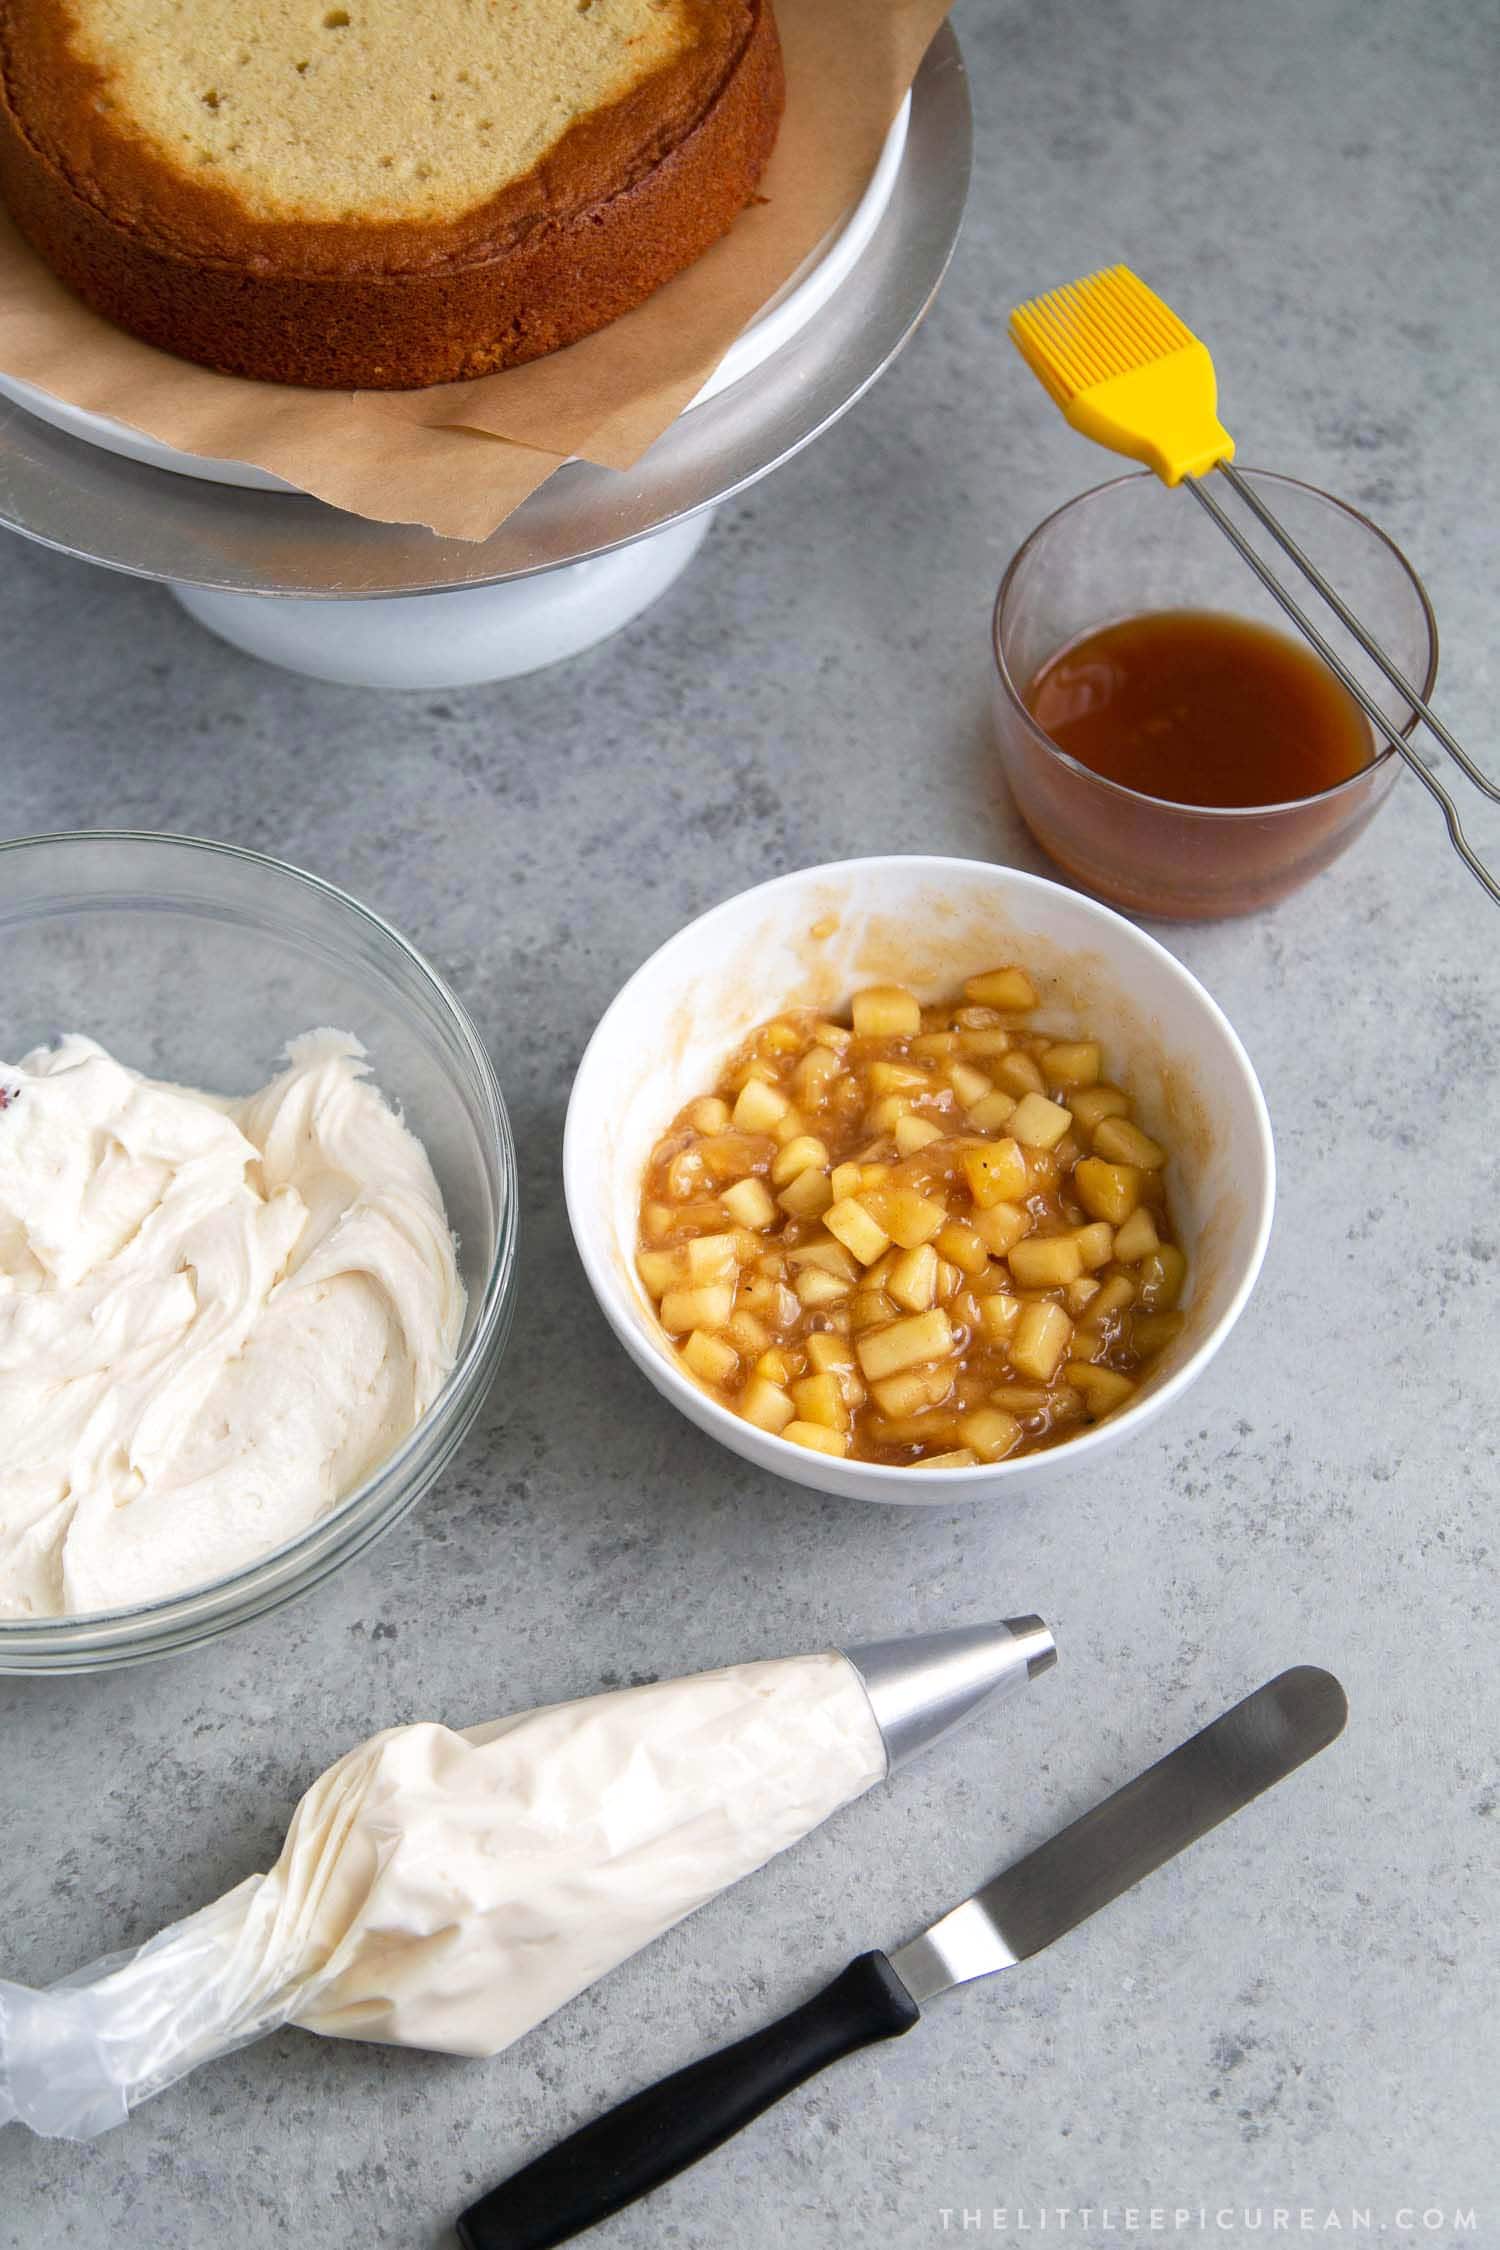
(813,938)
(387,605)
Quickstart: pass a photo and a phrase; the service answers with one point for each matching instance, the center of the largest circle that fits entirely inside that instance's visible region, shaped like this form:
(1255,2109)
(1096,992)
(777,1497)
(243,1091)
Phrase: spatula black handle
(659,2132)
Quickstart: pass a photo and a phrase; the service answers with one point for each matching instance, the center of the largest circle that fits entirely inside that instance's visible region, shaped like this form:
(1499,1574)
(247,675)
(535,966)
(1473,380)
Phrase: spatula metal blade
(1130,1834)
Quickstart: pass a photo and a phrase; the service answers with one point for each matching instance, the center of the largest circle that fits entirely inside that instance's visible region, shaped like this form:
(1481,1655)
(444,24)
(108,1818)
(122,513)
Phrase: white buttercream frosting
(217,1316)
(449,1890)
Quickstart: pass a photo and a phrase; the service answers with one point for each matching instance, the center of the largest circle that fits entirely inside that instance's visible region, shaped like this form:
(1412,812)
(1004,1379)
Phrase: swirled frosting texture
(217,1317)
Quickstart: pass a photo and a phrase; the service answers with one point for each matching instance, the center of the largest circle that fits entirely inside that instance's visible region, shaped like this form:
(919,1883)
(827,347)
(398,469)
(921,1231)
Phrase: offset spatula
(659,2132)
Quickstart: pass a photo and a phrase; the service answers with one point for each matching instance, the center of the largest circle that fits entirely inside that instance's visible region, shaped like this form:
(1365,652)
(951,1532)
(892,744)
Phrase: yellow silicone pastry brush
(1130,374)
(1126,372)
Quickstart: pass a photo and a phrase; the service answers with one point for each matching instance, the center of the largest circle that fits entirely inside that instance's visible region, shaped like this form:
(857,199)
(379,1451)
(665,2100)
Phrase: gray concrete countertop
(1300,2014)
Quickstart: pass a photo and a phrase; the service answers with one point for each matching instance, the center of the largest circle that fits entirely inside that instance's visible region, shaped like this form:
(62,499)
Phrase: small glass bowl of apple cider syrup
(1169,740)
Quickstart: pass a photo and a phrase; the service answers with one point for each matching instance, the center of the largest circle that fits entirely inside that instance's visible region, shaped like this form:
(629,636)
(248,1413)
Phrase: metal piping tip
(1041,1648)
(924,1686)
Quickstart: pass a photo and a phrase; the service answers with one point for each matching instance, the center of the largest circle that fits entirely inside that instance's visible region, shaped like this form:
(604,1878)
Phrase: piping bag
(450,1890)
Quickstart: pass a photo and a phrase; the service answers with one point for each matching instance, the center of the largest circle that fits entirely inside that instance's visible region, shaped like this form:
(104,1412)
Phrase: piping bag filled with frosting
(449,1890)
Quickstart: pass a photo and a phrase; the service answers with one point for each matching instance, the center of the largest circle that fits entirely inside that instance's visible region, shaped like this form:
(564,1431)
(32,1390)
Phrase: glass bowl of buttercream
(257,1239)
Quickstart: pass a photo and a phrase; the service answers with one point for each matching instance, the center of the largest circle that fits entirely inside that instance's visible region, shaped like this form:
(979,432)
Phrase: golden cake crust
(629,195)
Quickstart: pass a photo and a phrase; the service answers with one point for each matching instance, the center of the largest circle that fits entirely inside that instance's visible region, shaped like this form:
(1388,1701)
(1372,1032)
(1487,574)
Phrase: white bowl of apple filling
(915,1179)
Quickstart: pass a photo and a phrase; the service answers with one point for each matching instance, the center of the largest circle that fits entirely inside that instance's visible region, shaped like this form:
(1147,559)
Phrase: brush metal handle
(658,2133)
(1340,669)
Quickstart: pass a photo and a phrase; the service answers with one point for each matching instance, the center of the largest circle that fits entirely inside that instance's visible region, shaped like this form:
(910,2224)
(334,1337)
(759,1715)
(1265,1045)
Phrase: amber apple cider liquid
(1200,708)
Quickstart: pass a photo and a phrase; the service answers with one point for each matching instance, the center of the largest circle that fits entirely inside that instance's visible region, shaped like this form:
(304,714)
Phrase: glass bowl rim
(1063,757)
(99,1638)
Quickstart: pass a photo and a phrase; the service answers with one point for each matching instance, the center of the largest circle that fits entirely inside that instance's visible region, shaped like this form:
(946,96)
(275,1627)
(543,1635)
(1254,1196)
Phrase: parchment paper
(459,457)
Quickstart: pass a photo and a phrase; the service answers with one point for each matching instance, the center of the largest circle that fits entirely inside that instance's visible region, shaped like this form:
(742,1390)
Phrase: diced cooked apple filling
(933,1236)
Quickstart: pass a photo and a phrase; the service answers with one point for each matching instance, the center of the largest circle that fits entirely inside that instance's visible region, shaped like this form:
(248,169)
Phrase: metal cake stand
(334,595)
